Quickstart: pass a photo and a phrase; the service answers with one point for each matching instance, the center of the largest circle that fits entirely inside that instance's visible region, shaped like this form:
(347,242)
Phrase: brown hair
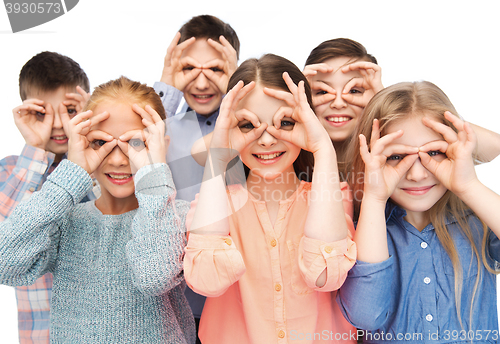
(403,101)
(48,71)
(124,89)
(339,47)
(268,71)
(207,26)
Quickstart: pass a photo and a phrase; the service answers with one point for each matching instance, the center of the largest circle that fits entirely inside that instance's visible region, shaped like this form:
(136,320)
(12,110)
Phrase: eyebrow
(329,84)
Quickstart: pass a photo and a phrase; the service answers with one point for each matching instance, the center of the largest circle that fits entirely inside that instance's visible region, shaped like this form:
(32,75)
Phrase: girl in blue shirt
(427,233)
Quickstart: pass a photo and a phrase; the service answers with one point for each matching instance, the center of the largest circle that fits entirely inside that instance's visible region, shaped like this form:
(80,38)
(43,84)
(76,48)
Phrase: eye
(320,93)
(188,68)
(98,143)
(395,159)
(137,144)
(287,124)
(434,153)
(72,112)
(215,69)
(356,91)
(246,126)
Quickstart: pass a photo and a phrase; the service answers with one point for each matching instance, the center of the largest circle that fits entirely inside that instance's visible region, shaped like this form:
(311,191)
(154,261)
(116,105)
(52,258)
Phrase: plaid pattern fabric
(20,176)
(33,305)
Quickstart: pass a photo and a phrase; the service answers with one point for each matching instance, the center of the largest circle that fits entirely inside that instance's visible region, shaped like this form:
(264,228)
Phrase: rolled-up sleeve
(336,257)
(212,263)
(364,298)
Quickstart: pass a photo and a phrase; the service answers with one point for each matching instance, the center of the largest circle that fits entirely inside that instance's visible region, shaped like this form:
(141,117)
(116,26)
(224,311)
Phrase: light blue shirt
(185,126)
(410,297)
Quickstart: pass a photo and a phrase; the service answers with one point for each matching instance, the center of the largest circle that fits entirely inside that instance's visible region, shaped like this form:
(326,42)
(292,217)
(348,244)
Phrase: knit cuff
(72,178)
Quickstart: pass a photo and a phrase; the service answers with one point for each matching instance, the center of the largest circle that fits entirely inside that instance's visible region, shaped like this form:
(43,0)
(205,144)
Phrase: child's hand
(34,122)
(313,69)
(148,146)
(455,170)
(381,178)
(306,131)
(371,83)
(76,101)
(179,72)
(321,92)
(228,139)
(219,71)
(88,148)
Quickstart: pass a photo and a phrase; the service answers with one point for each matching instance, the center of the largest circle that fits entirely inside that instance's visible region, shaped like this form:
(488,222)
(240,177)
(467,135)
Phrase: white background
(451,43)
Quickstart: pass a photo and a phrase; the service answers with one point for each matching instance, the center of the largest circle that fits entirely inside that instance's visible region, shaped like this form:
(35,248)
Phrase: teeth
(268,156)
(338,119)
(119,176)
(204,96)
(59,137)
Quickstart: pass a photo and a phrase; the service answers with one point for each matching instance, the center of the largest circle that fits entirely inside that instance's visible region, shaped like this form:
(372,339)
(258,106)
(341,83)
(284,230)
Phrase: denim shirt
(410,297)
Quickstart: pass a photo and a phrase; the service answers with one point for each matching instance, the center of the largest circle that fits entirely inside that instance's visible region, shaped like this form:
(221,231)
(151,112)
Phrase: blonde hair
(407,100)
(125,90)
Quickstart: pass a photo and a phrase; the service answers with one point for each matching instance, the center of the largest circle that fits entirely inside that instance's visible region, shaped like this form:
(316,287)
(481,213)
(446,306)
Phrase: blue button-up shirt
(410,297)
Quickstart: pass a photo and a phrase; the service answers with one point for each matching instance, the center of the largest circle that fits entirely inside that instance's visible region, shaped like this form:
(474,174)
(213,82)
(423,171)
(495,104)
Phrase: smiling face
(419,189)
(201,94)
(58,142)
(114,174)
(337,116)
(267,156)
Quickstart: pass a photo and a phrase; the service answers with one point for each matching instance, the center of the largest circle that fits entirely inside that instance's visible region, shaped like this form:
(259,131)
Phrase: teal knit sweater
(117,278)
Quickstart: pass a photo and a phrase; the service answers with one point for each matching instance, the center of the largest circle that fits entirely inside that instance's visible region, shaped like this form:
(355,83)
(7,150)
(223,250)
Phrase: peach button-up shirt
(261,279)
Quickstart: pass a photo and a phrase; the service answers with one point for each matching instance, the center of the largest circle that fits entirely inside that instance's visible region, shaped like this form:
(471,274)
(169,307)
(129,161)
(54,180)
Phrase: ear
(167,141)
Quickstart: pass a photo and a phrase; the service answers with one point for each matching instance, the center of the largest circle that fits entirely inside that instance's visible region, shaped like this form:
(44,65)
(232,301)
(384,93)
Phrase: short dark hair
(207,26)
(339,47)
(48,71)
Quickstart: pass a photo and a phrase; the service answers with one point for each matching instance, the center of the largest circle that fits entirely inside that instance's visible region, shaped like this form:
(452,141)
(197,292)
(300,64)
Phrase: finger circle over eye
(137,144)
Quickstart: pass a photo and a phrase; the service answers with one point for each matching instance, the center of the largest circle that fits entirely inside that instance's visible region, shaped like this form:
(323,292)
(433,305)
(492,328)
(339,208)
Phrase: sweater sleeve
(158,232)
(29,238)
(336,257)
(212,264)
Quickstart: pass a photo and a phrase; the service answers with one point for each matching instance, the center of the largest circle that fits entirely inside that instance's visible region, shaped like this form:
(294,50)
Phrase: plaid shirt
(20,176)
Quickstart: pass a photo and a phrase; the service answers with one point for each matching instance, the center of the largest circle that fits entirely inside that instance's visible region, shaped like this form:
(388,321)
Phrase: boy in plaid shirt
(50,84)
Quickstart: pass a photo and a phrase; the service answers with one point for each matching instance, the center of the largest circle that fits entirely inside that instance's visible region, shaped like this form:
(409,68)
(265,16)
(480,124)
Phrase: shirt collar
(395,212)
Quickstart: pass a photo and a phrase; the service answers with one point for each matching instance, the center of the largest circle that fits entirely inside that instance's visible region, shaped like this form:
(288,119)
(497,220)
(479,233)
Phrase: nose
(57,124)
(201,82)
(338,102)
(266,140)
(417,172)
(117,157)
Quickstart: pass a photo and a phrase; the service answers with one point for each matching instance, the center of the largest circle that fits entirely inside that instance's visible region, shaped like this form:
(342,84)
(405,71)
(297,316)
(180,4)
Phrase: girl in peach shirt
(271,255)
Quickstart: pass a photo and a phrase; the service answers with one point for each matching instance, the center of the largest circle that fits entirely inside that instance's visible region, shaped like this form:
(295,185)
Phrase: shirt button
(32,189)
(161,94)
(277,287)
(427,280)
(273,243)
(428,317)
(328,249)
(281,334)
(209,123)
(423,244)
(227,241)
